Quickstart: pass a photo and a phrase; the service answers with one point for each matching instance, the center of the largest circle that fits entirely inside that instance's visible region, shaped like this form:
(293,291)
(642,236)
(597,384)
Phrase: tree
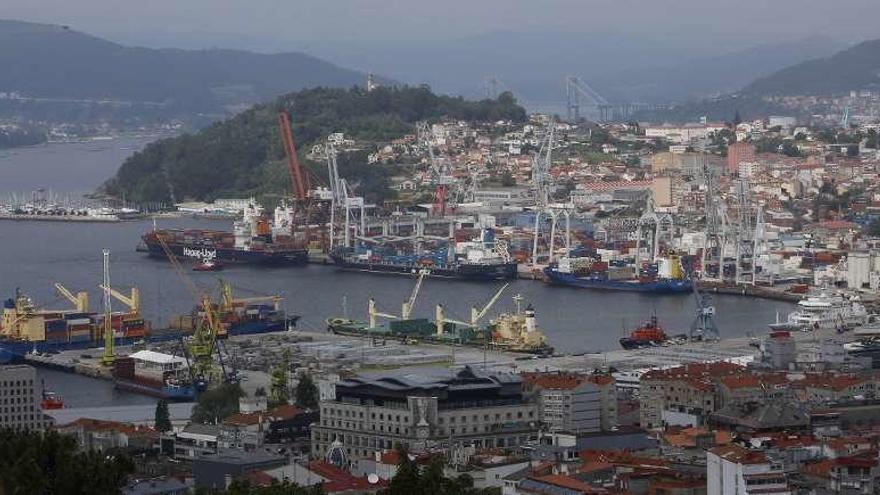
(216,404)
(162,420)
(49,463)
(306,392)
(737,119)
(507,179)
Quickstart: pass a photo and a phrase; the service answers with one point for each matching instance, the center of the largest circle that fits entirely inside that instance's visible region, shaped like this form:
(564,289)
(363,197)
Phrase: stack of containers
(79,327)
(134,327)
(56,330)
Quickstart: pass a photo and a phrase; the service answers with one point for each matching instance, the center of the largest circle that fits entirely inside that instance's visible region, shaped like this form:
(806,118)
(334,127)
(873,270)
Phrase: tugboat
(648,335)
(208,265)
(51,400)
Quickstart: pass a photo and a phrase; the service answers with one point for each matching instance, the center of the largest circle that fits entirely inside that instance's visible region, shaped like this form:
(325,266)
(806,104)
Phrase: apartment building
(470,407)
(20,394)
(574,402)
(735,470)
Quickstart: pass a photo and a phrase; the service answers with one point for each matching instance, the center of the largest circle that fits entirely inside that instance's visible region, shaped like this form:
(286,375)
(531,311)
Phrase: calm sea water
(33,256)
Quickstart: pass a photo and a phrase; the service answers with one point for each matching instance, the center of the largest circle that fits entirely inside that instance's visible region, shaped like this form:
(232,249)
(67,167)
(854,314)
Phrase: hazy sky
(271,25)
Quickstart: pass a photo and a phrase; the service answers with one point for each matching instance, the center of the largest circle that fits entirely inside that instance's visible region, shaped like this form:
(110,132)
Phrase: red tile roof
(753,381)
(285,411)
(569,483)
(339,481)
(239,419)
(739,455)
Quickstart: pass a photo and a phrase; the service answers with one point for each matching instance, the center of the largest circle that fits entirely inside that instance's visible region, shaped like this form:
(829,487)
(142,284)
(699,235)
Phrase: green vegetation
(306,392)
(410,478)
(244,156)
(162,420)
(217,403)
(34,463)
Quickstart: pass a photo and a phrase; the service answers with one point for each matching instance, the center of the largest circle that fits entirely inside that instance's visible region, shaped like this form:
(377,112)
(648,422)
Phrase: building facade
(20,395)
(468,408)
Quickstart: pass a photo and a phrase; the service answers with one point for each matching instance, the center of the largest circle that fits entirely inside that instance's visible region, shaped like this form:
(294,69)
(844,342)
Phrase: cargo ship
(665,277)
(170,385)
(483,259)
(254,240)
(648,335)
(25,329)
(514,332)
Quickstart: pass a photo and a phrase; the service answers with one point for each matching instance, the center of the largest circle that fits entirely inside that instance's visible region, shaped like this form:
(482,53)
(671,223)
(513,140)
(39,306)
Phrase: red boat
(51,400)
(208,266)
(647,335)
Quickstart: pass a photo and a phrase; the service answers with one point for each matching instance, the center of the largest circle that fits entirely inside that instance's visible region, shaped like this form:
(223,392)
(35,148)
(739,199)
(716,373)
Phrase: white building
(682,134)
(21,392)
(735,470)
(863,270)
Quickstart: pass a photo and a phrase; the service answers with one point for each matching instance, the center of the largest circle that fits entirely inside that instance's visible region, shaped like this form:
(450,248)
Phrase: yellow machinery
(80,301)
(204,340)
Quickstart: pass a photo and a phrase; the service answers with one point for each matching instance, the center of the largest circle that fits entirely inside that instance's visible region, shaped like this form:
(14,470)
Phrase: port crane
(133,302)
(204,339)
(109,356)
(80,300)
(406,310)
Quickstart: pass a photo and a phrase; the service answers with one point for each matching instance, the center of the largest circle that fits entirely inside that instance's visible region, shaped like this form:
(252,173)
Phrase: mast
(109,356)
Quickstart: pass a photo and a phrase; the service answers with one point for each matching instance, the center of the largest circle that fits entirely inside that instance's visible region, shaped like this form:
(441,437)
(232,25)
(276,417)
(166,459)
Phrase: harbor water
(35,255)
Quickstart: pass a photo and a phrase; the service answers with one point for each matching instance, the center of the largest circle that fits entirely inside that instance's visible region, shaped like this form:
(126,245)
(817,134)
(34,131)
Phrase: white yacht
(826,310)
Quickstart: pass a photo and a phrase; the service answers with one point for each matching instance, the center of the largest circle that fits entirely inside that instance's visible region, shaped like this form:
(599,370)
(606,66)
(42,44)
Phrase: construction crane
(406,310)
(109,356)
(298,180)
(80,301)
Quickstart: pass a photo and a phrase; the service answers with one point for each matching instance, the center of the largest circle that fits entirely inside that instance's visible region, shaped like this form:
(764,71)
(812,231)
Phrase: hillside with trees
(53,68)
(243,156)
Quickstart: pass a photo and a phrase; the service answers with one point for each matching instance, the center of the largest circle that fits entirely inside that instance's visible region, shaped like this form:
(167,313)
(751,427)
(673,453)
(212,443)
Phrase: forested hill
(51,61)
(243,155)
(852,69)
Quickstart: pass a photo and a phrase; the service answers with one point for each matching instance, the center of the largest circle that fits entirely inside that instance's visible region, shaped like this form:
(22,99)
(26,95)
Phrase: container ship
(254,240)
(664,277)
(482,259)
(26,329)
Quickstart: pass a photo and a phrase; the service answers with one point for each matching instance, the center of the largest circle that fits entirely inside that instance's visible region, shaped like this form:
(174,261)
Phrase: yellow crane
(476,314)
(133,301)
(228,302)
(203,344)
(80,300)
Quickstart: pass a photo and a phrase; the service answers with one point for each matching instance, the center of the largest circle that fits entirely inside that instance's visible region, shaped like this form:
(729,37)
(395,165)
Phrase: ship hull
(465,271)
(662,286)
(13,351)
(228,255)
(342,326)
(181,394)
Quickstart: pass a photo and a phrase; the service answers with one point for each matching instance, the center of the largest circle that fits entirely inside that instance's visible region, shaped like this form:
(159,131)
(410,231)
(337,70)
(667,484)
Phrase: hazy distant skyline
(277,25)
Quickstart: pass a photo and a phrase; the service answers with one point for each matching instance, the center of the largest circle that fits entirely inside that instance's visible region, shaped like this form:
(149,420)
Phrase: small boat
(51,400)
(208,266)
(648,335)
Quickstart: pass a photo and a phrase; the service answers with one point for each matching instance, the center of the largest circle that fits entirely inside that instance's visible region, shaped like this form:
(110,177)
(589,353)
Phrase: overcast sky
(272,25)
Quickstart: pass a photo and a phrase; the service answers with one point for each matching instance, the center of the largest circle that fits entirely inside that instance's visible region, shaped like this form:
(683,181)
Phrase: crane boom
(80,301)
(133,301)
(476,315)
(298,180)
(406,311)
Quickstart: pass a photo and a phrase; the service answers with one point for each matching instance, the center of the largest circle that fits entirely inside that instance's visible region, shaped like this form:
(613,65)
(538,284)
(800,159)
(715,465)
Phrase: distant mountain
(55,62)
(533,64)
(707,77)
(852,69)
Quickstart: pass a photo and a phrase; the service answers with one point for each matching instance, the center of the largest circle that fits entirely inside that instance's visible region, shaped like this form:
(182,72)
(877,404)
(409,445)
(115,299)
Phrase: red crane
(298,180)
